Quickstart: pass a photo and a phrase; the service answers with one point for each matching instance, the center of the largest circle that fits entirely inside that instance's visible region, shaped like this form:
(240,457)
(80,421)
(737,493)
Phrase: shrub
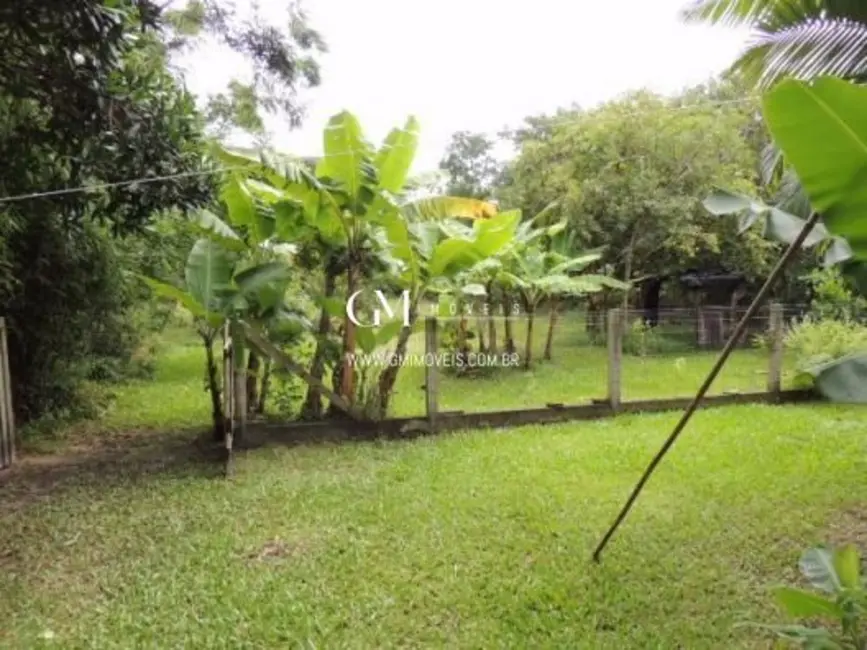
(814,342)
(834,297)
(73,312)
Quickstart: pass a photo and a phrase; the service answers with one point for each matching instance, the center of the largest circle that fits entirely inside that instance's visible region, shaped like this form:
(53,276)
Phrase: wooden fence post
(775,362)
(7,415)
(615,355)
(239,370)
(228,398)
(431,383)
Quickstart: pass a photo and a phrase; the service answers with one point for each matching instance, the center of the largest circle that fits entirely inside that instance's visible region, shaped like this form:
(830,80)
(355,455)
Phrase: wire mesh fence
(563,356)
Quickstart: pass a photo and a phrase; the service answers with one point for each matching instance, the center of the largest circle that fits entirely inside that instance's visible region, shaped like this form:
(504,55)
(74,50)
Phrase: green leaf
(474,289)
(365,336)
(722,202)
(333,306)
(820,127)
(166,290)
(253,279)
(803,604)
(239,202)
(208,274)
(395,157)
(346,153)
(817,566)
(786,227)
(838,252)
(388,331)
(842,380)
(847,562)
(452,255)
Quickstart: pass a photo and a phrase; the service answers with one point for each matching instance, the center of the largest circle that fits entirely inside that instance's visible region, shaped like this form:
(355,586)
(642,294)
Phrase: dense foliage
(633,185)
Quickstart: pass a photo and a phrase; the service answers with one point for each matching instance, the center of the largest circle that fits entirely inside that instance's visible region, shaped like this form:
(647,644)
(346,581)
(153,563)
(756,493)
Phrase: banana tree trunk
(552,324)
(265,386)
(528,351)
(480,325)
(507,323)
(388,378)
(312,408)
(253,365)
(347,376)
(214,389)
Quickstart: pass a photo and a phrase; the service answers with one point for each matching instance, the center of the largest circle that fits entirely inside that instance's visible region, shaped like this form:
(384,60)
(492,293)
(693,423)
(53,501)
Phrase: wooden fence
(434,420)
(7,415)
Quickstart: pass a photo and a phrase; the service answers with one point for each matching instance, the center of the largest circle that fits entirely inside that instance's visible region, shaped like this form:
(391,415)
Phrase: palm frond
(810,49)
(781,13)
(733,13)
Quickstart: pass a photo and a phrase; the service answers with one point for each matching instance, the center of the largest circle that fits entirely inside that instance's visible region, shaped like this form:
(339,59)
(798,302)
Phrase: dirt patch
(277,549)
(849,526)
(34,477)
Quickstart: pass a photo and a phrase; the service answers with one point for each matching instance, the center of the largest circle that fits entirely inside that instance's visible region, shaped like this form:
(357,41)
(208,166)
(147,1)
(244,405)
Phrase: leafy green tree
(473,170)
(284,59)
(630,176)
(793,39)
(86,99)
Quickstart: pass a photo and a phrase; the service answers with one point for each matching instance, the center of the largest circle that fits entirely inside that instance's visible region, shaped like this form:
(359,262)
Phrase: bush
(814,342)
(833,297)
(73,315)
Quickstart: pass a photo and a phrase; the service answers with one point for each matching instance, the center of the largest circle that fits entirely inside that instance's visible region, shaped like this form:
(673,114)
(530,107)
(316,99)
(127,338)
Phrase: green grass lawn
(473,540)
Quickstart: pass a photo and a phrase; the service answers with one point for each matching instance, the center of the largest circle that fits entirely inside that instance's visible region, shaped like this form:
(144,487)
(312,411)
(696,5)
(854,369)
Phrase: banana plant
(354,199)
(221,283)
(538,274)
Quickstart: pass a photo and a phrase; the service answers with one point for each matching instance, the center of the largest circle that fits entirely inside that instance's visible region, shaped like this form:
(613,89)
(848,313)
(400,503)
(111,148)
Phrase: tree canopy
(630,175)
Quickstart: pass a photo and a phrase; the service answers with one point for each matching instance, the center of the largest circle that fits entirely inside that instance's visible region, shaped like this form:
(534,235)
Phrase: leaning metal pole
(712,375)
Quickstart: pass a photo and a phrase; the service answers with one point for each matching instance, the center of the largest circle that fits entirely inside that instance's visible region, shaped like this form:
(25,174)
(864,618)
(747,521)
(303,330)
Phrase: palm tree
(793,38)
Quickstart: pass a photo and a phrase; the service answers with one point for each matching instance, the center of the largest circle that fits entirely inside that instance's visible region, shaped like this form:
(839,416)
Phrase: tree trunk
(388,378)
(480,325)
(552,323)
(528,348)
(492,324)
(263,390)
(507,323)
(347,374)
(253,365)
(312,408)
(219,419)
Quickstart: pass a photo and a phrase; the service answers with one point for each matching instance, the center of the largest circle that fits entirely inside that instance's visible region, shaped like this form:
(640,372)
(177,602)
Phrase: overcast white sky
(480,64)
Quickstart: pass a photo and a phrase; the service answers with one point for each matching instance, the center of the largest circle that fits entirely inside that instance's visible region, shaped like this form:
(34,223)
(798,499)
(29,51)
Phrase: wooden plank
(775,362)
(261,434)
(431,383)
(7,426)
(615,356)
(280,358)
(228,399)
(239,372)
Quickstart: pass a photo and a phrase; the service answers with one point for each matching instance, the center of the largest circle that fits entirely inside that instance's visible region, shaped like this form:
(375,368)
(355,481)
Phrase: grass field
(475,540)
